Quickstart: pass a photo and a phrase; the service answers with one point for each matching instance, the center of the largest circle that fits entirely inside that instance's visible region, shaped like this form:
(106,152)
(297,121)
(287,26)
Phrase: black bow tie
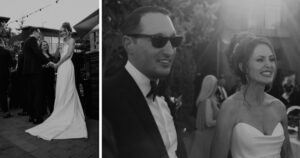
(155,90)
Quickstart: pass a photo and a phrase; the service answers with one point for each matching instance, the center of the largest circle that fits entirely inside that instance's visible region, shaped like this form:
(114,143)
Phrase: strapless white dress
(249,142)
(67,119)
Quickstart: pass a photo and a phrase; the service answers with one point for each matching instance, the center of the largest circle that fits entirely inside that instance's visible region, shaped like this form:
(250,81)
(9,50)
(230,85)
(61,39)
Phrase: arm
(69,53)
(56,55)
(225,123)
(286,150)
(209,114)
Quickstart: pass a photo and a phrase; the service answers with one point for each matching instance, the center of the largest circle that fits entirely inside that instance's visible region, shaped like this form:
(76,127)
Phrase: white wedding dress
(249,142)
(67,119)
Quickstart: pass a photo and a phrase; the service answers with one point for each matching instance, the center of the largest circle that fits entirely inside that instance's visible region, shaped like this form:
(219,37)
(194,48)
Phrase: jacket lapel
(137,101)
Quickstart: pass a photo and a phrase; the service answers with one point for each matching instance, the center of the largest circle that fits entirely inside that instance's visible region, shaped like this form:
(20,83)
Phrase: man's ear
(128,44)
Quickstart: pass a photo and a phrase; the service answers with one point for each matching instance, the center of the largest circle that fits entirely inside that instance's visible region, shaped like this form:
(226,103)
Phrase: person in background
(252,123)
(139,113)
(207,111)
(14,101)
(49,78)
(22,92)
(221,92)
(289,90)
(6,65)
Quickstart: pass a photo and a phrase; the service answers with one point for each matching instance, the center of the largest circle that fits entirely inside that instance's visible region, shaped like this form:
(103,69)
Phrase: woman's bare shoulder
(275,103)
(231,105)
(271,100)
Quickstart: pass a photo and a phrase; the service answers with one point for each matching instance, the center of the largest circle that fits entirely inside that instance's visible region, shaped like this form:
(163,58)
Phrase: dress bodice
(249,142)
(64,49)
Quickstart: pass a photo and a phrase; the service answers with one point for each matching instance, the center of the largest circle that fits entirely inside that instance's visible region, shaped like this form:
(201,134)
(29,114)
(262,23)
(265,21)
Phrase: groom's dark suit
(32,71)
(135,130)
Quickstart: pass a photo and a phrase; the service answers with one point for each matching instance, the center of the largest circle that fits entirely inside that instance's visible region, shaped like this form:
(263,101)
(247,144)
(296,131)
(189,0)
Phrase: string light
(38,10)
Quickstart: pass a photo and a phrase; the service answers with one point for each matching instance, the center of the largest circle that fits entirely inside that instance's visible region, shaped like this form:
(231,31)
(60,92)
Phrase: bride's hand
(51,64)
(55,66)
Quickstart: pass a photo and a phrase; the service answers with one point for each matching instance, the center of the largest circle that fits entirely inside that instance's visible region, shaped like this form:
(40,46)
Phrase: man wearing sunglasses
(141,120)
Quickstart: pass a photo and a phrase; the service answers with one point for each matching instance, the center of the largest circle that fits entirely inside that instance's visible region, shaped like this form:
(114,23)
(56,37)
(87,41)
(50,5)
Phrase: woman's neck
(45,53)
(253,93)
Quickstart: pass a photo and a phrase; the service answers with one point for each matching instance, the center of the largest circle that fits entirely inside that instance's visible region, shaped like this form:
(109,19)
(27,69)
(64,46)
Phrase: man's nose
(169,49)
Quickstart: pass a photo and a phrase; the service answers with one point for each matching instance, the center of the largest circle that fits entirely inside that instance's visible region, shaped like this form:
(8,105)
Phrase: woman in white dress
(207,110)
(67,119)
(252,123)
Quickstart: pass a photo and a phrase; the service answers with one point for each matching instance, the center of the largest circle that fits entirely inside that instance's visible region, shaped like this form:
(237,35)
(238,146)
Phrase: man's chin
(163,74)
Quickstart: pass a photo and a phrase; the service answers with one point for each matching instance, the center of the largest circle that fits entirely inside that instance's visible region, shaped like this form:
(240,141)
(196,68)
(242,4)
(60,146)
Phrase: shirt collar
(142,81)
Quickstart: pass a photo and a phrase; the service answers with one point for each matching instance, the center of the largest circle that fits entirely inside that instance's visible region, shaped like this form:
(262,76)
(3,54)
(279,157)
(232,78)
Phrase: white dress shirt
(159,109)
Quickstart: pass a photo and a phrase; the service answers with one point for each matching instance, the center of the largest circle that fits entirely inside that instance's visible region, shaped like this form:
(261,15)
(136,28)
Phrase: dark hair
(240,50)
(131,23)
(67,25)
(47,45)
(32,29)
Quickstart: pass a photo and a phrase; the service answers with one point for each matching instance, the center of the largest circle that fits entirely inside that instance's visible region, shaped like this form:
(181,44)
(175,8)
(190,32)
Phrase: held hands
(53,65)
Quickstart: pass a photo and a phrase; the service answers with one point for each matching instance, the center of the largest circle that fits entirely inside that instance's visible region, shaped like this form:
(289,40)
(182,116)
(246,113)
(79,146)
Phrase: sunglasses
(159,41)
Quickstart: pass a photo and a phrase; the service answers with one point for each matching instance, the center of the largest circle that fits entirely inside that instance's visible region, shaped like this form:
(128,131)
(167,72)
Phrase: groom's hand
(47,65)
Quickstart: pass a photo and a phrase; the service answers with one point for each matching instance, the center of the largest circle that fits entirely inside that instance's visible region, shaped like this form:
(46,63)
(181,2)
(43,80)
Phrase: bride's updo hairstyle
(67,26)
(241,48)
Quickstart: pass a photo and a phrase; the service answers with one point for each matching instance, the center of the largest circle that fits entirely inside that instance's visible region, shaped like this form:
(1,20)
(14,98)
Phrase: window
(264,14)
(272,13)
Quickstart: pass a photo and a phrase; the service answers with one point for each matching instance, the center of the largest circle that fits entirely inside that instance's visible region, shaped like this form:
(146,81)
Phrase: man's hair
(131,23)
(32,29)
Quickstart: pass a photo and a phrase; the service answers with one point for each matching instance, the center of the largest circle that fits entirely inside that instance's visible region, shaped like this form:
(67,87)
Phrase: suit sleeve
(37,51)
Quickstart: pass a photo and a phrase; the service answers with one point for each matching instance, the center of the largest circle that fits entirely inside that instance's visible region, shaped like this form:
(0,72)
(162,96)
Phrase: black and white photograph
(49,79)
(200,79)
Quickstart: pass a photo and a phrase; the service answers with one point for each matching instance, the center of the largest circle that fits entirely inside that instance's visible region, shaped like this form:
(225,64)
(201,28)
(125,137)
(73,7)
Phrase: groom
(32,72)
(141,120)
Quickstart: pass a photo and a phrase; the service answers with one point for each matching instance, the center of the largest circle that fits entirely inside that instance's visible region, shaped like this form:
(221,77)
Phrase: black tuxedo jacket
(33,57)
(135,130)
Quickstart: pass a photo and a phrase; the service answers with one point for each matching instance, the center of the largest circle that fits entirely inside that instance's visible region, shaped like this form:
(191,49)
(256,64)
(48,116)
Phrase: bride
(251,123)
(67,119)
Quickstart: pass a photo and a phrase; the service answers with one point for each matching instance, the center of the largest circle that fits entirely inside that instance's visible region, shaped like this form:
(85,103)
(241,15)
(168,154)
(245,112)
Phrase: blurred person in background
(49,78)
(207,111)
(221,92)
(22,89)
(6,64)
(290,90)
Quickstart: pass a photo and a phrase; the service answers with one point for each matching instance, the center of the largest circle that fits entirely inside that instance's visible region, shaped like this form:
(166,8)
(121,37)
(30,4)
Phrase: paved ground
(15,143)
